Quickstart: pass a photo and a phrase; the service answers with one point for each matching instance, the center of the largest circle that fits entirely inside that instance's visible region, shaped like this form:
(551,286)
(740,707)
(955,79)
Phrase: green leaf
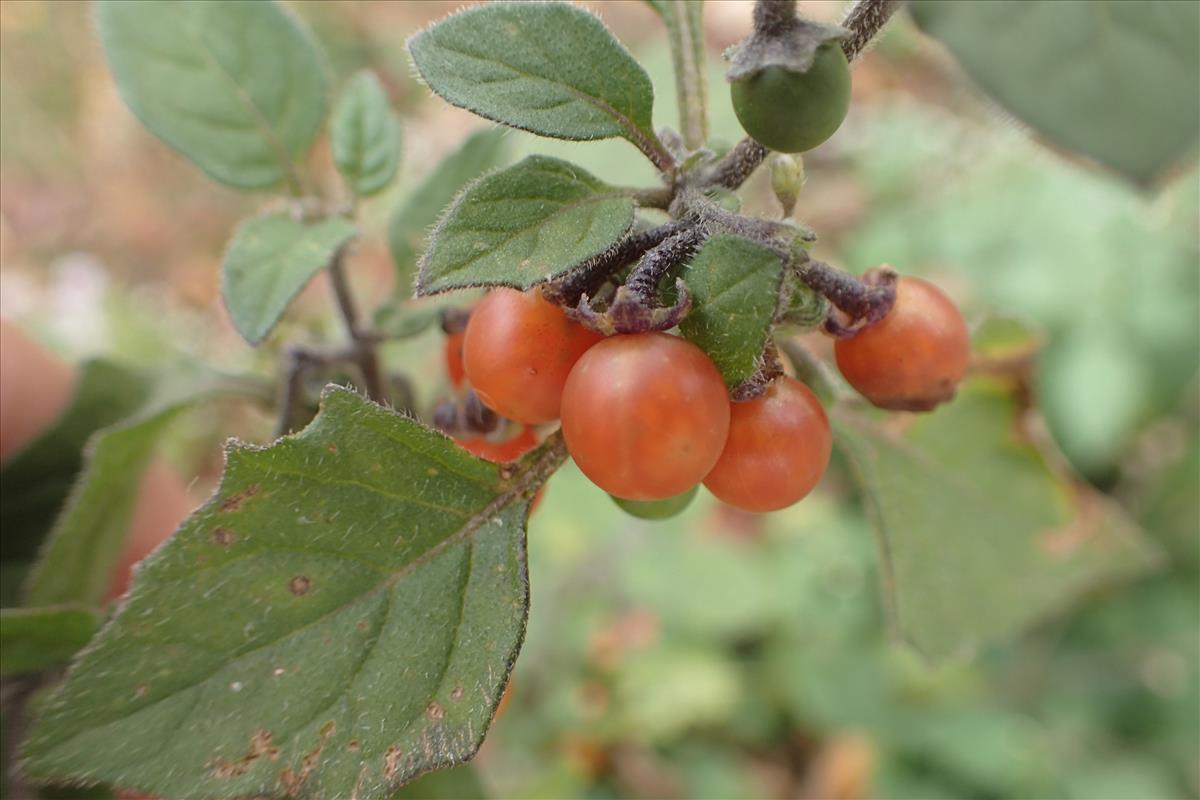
(33,639)
(35,482)
(522,226)
(549,68)
(735,288)
(76,563)
(1116,81)
(412,221)
(239,88)
(979,537)
(269,260)
(341,616)
(364,135)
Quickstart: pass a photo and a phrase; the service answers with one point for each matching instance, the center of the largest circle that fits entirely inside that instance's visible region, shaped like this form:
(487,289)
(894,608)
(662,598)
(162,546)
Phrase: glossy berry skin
(793,112)
(517,352)
(645,415)
(914,358)
(454,359)
(778,448)
(657,509)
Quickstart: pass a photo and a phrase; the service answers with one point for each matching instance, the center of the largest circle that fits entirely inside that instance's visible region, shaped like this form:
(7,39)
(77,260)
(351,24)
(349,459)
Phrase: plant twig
(362,342)
(684,25)
(864,20)
(588,276)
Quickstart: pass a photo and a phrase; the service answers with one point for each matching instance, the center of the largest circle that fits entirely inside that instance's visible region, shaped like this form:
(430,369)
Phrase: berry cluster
(647,416)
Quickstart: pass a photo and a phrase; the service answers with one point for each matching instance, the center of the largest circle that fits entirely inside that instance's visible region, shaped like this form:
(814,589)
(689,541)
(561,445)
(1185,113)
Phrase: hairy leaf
(341,616)
(269,260)
(364,135)
(735,289)
(236,87)
(1118,81)
(33,639)
(548,68)
(522,226)
(406,235)
(76,563)
(35,482)
(979,537)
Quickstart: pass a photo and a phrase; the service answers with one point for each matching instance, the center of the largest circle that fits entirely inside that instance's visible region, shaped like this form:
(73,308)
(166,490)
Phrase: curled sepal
(780,39)
(629,312)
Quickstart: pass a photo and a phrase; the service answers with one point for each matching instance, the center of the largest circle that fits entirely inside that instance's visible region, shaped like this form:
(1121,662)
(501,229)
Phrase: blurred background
(717,654)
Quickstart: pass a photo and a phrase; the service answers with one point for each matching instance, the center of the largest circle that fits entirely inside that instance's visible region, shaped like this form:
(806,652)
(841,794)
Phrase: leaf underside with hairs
(340,617)
(522,226)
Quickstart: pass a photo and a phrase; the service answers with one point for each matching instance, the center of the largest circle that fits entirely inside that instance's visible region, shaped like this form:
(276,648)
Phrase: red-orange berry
(914,358)
(518,350)
(645,415)
(778,447)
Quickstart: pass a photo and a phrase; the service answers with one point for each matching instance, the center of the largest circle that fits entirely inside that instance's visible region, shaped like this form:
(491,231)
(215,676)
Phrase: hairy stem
(864,20)
(867,300)
(591,274)
(772,15)
(684,25)
(643,281)
(362,342)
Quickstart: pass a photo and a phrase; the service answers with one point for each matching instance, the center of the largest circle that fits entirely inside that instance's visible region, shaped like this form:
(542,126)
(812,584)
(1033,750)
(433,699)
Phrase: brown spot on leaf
(140,690)
(331,447)
(391,762)
(235,500)
(260,746)
(222,536)
(456,694)
(293,780)
(299,585)
(435,712)
(362,625)
(352,745)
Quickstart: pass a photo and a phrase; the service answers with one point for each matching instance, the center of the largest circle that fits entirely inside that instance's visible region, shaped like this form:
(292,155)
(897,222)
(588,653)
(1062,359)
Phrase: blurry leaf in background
(979,537)
(411,221)
(33,639)
(1030,234)
(269,260)
(76,562)
(548,68)
(364,134)
(524,225)
(238,88)
(1116,80)
(36,481)
(455,783)
(735,289)
(357,591)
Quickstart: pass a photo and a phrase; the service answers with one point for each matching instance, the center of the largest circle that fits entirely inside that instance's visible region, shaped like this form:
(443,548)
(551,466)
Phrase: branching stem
(362,343)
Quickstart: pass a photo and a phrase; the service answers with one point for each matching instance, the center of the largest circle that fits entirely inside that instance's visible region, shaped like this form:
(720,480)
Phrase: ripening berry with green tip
(657,509)
(790,111)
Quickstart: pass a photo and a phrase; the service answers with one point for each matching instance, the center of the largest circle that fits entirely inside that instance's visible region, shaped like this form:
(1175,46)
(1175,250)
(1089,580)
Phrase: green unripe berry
(657,509)
(793,112)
